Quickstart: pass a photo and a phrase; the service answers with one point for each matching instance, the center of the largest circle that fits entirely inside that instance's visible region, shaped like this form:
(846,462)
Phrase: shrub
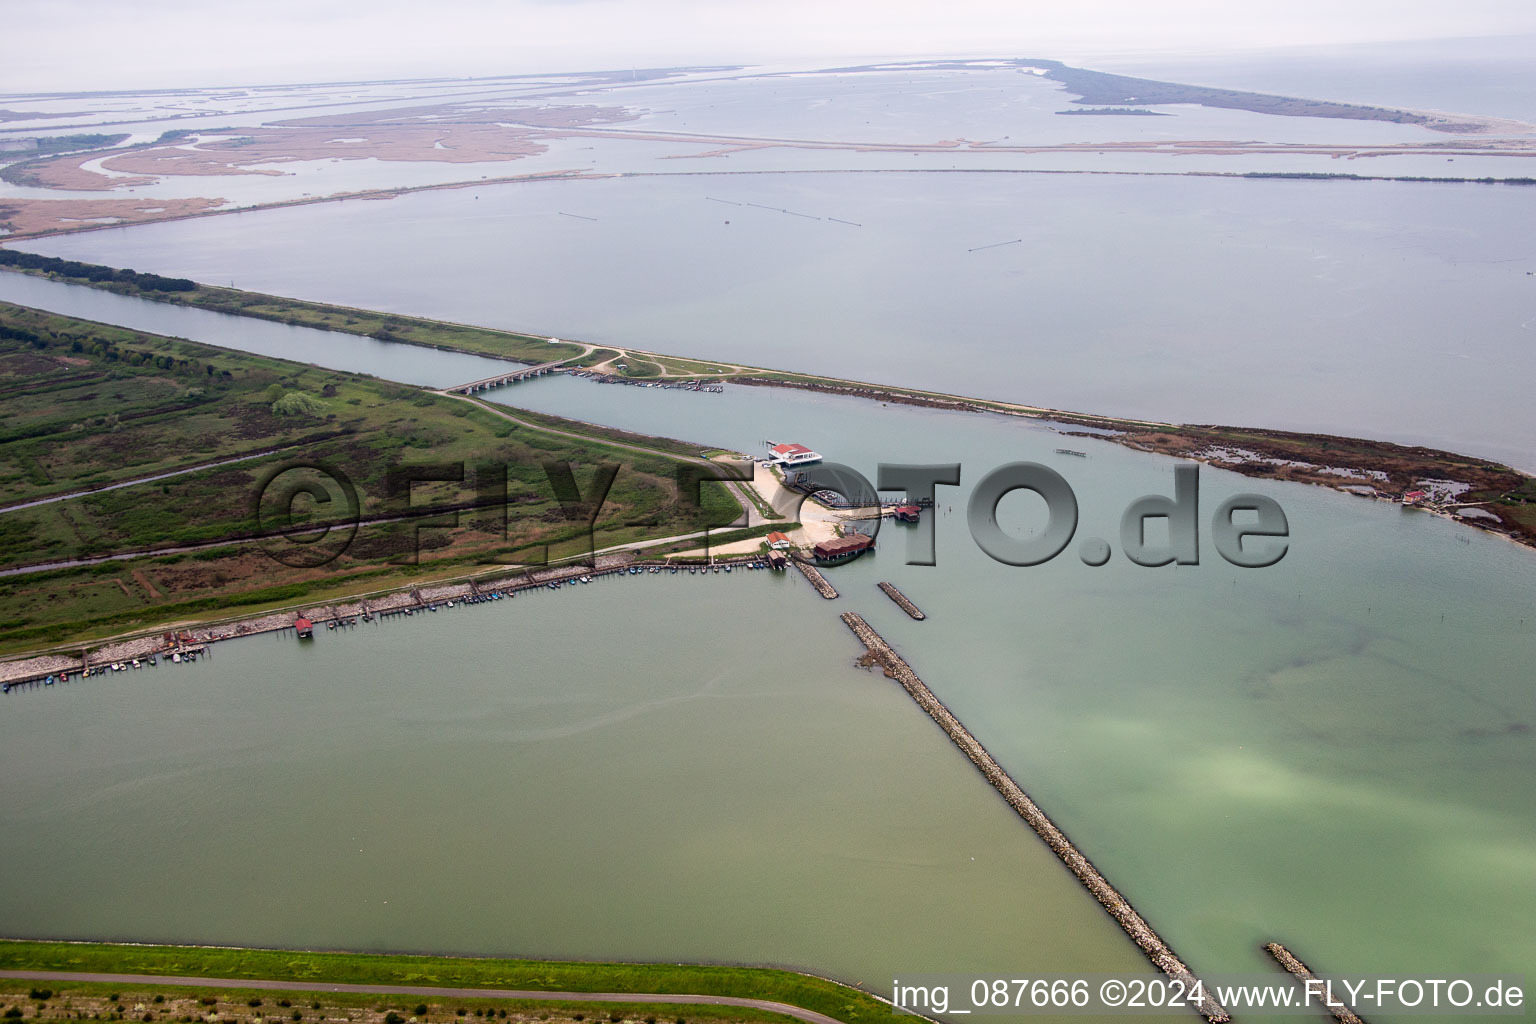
(298,1014)
(253,1001)
(297,403)
(13,1012)
(393,1018)
(421,1009)
(159,998)
(43,993)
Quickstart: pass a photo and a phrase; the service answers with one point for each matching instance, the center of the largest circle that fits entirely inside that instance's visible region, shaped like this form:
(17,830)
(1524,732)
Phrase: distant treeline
(1104,89)
(92,272)
(1329,176)
(64,143)
(1130,111)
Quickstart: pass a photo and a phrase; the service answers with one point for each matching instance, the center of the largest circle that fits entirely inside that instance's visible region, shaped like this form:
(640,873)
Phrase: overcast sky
(111,44)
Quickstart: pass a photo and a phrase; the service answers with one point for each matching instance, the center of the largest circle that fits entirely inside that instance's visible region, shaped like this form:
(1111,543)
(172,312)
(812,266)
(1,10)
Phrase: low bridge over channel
(511,377)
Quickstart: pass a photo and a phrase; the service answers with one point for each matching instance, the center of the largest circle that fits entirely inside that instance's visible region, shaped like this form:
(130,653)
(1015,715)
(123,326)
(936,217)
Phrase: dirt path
(754,517)
(810,1016)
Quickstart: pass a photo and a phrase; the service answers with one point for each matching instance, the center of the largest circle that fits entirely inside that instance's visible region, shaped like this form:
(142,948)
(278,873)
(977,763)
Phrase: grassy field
(84,406)
(311,968)
(181,1004)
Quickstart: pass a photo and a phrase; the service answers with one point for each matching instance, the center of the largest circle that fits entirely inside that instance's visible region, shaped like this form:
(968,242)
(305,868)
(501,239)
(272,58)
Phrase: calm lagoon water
(1334,752)
(409,364)
(1390,310)
(561,775)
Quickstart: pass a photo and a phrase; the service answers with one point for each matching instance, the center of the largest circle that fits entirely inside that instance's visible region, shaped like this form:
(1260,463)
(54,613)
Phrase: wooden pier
(1290,962)
(504,378)
(1109,898)
(902,601)
(818,581)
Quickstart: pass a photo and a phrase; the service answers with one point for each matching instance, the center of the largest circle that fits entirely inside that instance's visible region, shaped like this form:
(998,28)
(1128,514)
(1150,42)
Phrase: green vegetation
(1490,483)
(384,326)
(22,173)
(1099,88)
(68,143)
(93,273)
(1331,176)
(1118,111)
(597,355)
(83,406)
(828,997)
(634,366)
(184,1004)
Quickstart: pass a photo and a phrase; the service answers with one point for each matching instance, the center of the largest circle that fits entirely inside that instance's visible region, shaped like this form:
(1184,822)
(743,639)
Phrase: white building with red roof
(790,454)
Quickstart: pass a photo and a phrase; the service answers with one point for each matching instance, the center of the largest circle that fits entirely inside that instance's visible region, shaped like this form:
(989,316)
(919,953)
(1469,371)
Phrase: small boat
(135,662)
(5,687)
(176,657)
(48,681)
(450,604)
(153,662)
(727,568)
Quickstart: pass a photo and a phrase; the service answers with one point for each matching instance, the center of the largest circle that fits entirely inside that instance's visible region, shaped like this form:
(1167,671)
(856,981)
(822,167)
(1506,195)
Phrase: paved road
(810,1016)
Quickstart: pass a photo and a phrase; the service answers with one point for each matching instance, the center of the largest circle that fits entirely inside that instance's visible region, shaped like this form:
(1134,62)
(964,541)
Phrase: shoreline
(342,612)
(576,174)
(1361,467)
(1205,444)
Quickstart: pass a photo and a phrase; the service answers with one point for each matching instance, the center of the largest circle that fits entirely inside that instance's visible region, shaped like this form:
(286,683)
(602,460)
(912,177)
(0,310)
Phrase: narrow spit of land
(1109,898)
(1351,465)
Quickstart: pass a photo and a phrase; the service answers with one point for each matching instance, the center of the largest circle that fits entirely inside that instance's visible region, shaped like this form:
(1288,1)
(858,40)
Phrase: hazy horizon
(89,45)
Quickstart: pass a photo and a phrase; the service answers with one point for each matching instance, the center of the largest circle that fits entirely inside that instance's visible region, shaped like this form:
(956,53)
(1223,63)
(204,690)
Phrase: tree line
(94,273)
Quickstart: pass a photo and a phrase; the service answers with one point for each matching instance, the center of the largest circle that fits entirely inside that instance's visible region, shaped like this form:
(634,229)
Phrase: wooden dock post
(1109,898)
